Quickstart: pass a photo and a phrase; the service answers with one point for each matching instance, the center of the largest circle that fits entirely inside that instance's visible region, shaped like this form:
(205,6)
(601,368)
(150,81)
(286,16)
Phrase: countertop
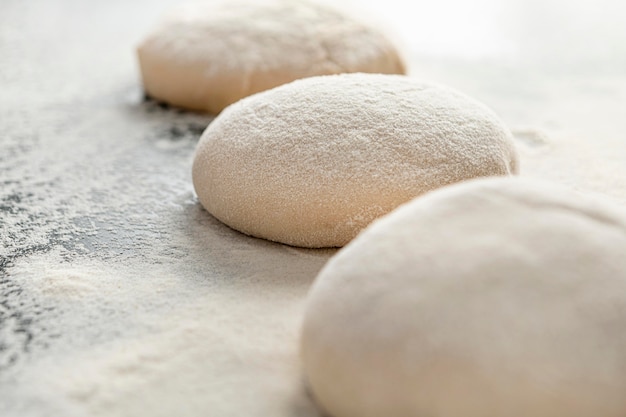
(120,296)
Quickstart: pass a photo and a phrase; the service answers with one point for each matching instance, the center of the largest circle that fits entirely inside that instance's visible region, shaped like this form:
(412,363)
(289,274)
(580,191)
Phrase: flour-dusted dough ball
(207,56)
(313,162)
(491,298)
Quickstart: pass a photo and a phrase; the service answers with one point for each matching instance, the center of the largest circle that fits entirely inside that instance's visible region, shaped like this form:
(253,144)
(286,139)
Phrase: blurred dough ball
(205,56)
(313,162)
(496,297)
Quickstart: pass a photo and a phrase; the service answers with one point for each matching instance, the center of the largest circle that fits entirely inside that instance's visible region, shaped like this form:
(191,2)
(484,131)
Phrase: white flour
(142,341)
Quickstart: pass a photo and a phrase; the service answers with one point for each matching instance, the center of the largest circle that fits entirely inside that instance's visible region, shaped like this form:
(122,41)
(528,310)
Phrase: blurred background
(506,46)
(569,36)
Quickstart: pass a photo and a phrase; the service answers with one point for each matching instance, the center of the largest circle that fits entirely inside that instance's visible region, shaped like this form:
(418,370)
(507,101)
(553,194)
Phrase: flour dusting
(319,159)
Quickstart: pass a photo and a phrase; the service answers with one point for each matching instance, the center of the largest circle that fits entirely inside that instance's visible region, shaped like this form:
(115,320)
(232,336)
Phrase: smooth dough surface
(313,162)
(491,298)
(207,56)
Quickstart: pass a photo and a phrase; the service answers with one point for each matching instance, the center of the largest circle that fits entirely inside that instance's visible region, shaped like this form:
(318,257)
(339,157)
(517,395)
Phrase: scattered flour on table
(108,259)
(144,337)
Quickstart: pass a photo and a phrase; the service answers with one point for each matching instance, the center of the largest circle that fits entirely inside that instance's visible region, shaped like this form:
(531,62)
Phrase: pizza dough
(207,56)
(497,297)
(313,162)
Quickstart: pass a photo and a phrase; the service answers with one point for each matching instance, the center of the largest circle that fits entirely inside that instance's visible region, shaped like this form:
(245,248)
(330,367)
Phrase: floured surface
(144,342)
(118,294)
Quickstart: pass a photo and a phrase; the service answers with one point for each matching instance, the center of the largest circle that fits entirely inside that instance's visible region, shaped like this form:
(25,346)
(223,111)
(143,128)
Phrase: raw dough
(313,162)
(497,297)
(207,56)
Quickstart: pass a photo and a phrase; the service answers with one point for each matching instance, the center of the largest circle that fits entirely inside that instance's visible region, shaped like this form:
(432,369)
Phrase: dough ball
(491,298)
(207,56)
(313,162)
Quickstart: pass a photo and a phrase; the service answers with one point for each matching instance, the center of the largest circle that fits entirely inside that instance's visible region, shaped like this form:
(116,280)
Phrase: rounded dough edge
(303,164)
(254,46)
(378,339)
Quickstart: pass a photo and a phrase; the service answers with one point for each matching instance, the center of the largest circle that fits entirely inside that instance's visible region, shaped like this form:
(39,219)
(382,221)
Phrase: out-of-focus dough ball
(492,298)
(207,56)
